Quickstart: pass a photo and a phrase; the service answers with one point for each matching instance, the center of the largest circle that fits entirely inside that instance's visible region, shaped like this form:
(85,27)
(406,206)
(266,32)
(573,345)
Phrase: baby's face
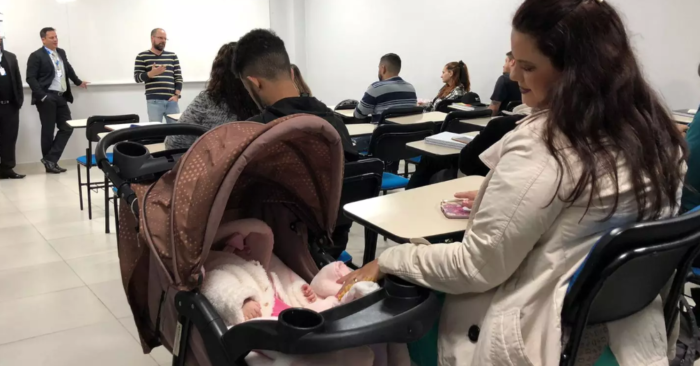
(236,244)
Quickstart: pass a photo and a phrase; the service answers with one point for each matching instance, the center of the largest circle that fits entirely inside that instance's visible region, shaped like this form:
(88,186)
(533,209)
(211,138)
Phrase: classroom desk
(123,126)
(423,148)
(682,119)
(481,122)
(78,123)
(437,117)
(413,214)
(346,112)
(153,148)
(361,129)
(175,116)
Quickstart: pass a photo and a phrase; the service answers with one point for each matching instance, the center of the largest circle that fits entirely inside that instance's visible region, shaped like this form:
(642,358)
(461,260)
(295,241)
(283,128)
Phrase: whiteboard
(103,37)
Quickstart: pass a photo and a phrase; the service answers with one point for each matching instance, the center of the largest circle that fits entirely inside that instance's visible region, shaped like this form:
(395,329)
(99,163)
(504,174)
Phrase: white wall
(287,19)
(345,40)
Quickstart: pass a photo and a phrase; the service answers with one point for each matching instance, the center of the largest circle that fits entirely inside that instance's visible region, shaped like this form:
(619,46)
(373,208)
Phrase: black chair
(388,143)
(512,104)
(96,125)
(624,273)
(346,104)
(399,112)
(444,105)
(363,180)
(452,121)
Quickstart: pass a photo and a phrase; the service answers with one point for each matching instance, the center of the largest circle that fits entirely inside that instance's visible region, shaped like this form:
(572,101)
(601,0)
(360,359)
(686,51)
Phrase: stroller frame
(399,313)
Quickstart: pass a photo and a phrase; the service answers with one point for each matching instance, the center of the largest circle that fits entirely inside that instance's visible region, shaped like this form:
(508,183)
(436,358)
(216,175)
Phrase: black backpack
(688,343)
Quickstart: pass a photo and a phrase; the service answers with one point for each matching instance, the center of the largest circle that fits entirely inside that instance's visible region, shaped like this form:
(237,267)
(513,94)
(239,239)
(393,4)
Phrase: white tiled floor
(61,297)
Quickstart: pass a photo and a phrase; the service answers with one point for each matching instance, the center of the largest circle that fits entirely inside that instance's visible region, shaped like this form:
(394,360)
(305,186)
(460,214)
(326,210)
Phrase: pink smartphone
(453,209)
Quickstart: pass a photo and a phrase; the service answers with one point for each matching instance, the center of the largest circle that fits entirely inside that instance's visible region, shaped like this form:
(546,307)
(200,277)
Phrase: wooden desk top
(482,122)
(436,117)
(78,123)
(424,148)
(415,213)
(346,112)
(361,129)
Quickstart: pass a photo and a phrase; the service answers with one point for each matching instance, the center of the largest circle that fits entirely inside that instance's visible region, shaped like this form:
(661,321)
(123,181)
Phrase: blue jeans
(159,108)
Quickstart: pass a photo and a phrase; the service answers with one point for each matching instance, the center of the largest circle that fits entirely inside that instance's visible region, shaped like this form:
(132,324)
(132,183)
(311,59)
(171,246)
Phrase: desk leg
(370,246)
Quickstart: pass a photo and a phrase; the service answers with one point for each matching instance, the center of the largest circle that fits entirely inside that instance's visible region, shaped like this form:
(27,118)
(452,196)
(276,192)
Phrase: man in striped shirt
(390,91)
(160,71)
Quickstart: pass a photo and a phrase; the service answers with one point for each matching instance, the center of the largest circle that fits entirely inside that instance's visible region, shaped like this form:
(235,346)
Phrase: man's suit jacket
(15,77)
(41,72)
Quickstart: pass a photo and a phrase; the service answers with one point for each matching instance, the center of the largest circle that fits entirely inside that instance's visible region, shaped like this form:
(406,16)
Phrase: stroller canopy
(295,160)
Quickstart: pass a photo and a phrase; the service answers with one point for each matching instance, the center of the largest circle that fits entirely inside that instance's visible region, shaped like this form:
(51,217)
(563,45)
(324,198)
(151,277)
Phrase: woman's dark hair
(460,76)
(299,81)
(225,89)
(602,106)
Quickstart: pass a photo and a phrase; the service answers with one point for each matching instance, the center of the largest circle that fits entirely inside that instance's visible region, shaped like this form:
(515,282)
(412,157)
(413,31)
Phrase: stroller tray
(398,313)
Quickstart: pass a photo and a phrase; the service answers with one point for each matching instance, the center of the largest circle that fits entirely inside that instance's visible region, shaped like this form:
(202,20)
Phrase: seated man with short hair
(390,91)
(506,90)
(262,63)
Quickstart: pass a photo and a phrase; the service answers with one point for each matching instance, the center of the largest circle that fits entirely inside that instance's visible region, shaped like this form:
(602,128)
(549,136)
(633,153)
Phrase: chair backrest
(512,104)
(346,104)
(452,121)
(399,112)
(443,106)
(628,268)
(363,180)
(388,142)
(96,124)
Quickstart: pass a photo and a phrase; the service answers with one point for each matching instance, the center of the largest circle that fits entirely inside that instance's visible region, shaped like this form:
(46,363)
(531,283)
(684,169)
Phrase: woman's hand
(370,272)
(683,128)
(467,198)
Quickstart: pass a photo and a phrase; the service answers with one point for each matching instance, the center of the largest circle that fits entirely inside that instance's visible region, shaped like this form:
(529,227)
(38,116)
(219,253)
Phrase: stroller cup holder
(294,323)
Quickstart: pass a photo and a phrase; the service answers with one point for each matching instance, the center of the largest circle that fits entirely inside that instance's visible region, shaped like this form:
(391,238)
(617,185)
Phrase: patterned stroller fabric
(287,173)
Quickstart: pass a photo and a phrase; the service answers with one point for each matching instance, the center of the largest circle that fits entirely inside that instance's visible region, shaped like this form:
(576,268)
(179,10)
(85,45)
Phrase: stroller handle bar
(124,191)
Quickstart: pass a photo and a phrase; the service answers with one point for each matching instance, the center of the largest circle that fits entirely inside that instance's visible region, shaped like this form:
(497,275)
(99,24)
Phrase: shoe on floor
(10,174)
(61,169)
(51,167)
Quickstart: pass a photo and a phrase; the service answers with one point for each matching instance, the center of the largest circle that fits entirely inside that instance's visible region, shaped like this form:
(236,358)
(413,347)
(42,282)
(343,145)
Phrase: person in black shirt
(11,99)
(506,90)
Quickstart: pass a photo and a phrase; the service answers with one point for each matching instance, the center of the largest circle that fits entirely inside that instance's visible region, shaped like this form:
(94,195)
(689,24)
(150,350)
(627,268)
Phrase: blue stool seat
(415,160)
(392,181)
(345,257)
(114,189)
(83,159)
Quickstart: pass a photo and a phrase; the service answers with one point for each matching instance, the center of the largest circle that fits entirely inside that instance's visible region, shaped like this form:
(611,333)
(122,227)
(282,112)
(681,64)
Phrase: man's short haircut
(261,53)
(43,31)
(155,30)
(392,62)
(510,55)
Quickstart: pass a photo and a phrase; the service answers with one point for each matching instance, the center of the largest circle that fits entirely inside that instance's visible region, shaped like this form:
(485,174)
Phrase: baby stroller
(287,173)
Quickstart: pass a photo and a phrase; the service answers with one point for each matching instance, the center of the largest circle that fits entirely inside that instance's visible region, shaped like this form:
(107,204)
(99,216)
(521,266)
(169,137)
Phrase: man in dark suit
(11,99)
(48,71)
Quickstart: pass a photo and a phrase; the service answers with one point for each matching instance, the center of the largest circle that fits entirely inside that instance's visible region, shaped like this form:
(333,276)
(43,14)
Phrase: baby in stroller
(246,281)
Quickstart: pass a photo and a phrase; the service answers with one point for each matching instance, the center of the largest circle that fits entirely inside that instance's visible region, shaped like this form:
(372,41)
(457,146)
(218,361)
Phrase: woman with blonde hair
(303,88)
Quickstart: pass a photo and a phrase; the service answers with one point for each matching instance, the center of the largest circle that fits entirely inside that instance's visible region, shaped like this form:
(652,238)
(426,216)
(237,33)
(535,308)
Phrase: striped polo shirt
(382,95)
(164,85)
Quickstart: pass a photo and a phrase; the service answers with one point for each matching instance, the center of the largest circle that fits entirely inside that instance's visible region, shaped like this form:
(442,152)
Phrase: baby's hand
(308,293)
(251,309)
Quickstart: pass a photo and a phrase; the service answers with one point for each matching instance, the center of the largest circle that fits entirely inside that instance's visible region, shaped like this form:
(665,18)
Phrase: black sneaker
(51,167)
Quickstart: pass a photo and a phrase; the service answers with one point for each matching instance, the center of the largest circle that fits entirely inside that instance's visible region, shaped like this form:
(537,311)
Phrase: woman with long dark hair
(299,82)
(601,151)
(455,75)
(224,100)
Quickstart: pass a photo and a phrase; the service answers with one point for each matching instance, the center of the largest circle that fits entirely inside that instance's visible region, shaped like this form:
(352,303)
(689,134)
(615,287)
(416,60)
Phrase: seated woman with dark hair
(455,75)
(224,100)
(304,90)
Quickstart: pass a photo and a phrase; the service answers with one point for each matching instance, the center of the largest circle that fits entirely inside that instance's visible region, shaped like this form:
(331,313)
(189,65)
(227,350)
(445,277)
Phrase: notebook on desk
(461,107)
(448,139)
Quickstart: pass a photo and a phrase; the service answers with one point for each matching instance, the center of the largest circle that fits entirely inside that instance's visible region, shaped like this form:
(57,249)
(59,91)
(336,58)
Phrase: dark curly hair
(603,106)
(225,89)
